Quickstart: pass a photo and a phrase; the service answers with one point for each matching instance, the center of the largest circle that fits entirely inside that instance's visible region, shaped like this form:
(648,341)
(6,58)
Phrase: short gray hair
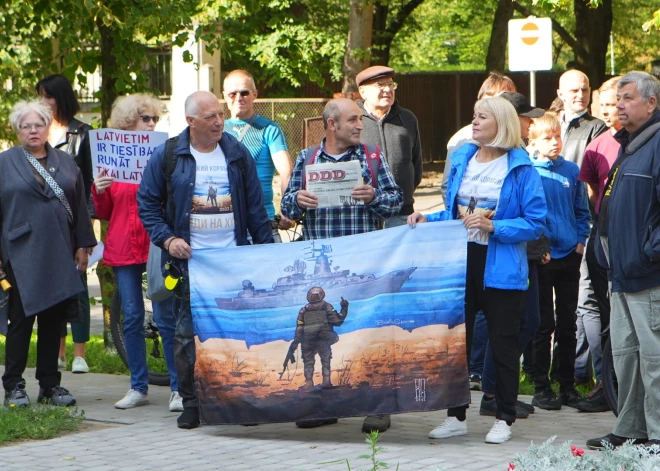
(331,110)
(22,108)
(647,85)
(191,107)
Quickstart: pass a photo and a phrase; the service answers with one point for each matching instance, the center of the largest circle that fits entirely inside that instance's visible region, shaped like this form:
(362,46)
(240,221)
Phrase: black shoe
(57,396)
(313,423)
(612,441)
(652,446)
(189,418)
(489,407)
(595,401)
(17,397)
(523,405)
(379,423)
(475,382)
(571,398)
(546,399)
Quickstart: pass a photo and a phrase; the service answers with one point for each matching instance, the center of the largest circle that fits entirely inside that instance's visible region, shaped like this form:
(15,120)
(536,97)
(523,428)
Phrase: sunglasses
(146,118)
(242,93)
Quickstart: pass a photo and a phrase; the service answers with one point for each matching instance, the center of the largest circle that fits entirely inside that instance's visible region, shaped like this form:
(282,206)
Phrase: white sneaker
(500,433)
(79,365)
(451,427)
(176,402)
(132,399)
(61,364)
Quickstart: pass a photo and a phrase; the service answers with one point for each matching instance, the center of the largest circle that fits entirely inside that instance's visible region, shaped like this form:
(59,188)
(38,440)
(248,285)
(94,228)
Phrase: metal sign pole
(532,87)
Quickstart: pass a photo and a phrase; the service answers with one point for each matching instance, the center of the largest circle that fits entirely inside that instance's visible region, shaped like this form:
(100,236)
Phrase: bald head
(574,92)
(195,101)
(334,109)
(238,74)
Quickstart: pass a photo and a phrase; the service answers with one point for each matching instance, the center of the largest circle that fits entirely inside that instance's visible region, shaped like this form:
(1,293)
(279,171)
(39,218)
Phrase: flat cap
(522,106)
(370,73)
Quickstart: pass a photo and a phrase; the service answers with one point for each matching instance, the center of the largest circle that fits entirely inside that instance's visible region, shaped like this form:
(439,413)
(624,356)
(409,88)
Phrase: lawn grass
(38,422)
(526,386)
(98,358)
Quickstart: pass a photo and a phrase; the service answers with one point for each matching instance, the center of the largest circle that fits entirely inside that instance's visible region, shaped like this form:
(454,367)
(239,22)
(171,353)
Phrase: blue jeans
(129,284)
(479,344)
(530,324)
(166,323)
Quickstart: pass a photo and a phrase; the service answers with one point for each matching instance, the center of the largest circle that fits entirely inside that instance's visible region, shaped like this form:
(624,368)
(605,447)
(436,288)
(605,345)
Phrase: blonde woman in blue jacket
(498,194)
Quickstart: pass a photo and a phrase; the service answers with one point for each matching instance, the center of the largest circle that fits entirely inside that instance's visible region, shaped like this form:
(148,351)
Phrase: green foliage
(38,422)
(290,42)
(444,35)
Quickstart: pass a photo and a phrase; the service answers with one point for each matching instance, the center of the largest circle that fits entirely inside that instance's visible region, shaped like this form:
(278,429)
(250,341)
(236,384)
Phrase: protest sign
(123,155)
(398,346)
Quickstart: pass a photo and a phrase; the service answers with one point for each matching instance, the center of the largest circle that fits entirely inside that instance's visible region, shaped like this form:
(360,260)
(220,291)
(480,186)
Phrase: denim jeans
(479,344)
(165,319)
(529,326)
(184,345)
(129,284)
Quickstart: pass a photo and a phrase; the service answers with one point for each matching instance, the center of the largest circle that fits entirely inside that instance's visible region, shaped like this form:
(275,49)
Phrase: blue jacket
(633,214)
(518,218)
(567,222)
(247,197)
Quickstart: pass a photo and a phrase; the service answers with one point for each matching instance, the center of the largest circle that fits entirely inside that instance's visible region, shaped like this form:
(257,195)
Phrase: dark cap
(370,73)
(522,106)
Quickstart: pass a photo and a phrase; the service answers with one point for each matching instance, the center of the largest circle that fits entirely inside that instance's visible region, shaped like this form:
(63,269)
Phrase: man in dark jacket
(395,130)
(629,226)
(203,153)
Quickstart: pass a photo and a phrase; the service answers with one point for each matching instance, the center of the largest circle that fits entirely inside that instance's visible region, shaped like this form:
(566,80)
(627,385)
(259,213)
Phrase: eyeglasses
(146,118)
(243,93)
(382,85)
(29,126)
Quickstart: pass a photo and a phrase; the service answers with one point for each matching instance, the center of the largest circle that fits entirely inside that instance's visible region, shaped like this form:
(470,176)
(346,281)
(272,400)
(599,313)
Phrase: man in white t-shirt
(213,199)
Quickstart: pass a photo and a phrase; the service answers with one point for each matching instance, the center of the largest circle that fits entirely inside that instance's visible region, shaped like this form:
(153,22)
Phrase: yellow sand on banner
(384,356)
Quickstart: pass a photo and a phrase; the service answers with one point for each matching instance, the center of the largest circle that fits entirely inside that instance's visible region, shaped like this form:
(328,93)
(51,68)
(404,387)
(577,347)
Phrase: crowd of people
(561,209)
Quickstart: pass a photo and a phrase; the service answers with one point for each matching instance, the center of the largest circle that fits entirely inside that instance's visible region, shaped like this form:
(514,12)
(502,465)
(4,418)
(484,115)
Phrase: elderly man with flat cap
(395,130)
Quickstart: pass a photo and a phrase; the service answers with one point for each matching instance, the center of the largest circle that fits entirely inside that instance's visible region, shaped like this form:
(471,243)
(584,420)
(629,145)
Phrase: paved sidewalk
(148,439)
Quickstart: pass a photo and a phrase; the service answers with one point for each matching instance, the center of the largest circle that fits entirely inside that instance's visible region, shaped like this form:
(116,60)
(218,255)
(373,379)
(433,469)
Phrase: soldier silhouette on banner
(315,334)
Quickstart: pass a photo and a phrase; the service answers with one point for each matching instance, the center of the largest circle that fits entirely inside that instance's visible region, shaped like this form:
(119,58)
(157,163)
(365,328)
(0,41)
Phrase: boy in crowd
(567,227)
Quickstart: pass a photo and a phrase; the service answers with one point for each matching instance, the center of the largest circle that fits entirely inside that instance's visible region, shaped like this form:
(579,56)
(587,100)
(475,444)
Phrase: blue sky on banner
(433,293)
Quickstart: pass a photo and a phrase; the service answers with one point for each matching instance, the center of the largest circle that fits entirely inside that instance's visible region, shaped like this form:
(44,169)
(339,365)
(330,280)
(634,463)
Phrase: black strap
(171,160)
(642,138)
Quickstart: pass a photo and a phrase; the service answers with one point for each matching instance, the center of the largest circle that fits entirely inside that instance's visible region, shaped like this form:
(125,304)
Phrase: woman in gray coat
(45,231)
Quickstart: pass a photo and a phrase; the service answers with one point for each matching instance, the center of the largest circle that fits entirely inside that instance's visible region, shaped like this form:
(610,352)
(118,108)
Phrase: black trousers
(561,276)
(504,310)
(17,344)
(185,352)
(598,276)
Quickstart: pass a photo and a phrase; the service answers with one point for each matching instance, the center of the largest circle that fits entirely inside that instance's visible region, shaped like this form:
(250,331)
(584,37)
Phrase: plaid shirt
(340,221)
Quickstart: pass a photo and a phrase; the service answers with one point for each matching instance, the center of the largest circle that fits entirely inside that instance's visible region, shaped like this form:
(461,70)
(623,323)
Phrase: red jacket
(126,243)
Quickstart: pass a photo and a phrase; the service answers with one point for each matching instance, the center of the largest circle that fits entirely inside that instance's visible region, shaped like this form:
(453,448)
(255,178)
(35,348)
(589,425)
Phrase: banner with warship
(352,326)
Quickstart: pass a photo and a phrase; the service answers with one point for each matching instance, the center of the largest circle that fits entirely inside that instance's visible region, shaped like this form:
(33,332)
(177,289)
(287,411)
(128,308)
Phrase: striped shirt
(326,223)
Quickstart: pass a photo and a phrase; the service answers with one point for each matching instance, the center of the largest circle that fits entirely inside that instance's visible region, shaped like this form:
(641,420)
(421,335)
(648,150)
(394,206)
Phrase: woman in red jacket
(126,251)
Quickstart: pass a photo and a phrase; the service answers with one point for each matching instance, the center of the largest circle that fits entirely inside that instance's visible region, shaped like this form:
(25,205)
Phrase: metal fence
(293,115)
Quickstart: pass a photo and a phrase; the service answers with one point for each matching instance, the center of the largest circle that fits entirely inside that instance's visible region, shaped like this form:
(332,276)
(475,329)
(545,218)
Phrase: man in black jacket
(395,130)
(629,226)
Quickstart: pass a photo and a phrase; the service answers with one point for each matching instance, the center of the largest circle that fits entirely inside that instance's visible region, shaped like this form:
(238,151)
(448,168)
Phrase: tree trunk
(381,40)
(496,57)
(358,46)
(108,96)
(386,26)
(592,31)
